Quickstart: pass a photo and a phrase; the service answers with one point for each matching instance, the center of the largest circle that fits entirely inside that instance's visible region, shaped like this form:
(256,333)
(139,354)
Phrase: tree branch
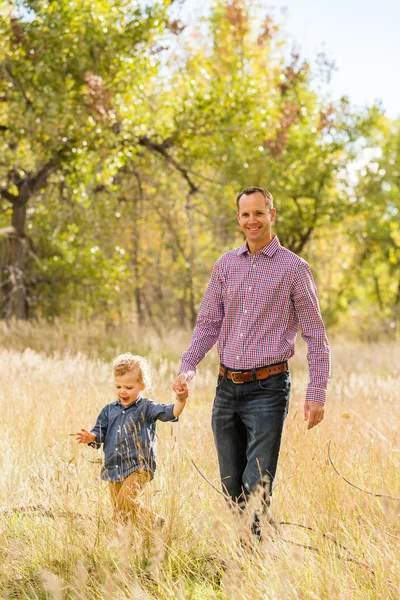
(8,196)
(17,83)
(162,149)
(298,206)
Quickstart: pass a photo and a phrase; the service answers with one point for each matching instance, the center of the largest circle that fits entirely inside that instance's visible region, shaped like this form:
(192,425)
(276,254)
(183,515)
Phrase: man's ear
(272,214)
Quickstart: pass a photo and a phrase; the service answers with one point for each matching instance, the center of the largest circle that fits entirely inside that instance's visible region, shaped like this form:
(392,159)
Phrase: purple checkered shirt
(253,306)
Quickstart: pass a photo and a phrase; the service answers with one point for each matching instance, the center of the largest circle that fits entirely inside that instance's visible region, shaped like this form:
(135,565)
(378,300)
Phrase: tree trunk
(137,209)
(190,262)
(15,301)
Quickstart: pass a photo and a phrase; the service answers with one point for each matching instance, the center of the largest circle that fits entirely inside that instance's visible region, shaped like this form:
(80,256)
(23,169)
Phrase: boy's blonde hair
(128,362)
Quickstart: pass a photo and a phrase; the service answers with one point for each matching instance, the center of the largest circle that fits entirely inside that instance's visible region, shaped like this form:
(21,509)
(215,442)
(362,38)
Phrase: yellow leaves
(12,189)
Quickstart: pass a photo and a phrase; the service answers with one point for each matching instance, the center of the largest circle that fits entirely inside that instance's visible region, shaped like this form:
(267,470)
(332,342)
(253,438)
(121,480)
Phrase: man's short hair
(269,200)
(124,363)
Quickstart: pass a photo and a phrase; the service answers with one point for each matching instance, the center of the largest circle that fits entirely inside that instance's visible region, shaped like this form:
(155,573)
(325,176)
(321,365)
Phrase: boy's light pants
(126,503)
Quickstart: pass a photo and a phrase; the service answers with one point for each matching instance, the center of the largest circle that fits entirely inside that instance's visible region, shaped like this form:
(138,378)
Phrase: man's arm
(206,332)
(305,299)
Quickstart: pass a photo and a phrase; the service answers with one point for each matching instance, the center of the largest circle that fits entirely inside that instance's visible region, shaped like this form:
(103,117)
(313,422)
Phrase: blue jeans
(247,422)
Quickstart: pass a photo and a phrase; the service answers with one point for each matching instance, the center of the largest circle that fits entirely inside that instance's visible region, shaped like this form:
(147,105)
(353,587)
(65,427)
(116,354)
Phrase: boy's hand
(180,386)
(183,396)
(84,437)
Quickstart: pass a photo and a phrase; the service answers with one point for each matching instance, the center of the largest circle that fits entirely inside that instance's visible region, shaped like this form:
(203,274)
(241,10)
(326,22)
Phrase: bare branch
(353,484)
(329,536)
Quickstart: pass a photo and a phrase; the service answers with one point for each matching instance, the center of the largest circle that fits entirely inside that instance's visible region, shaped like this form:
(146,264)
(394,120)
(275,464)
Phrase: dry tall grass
(66,545)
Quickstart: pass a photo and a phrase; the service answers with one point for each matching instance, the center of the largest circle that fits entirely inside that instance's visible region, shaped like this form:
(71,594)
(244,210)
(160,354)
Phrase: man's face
(128,387)
(255,220)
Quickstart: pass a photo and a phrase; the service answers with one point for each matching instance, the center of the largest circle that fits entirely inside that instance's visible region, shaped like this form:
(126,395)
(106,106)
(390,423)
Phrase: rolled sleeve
(160,412)
(100,428)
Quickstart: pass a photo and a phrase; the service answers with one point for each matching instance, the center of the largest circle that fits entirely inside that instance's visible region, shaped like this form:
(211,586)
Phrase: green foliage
(125,144)
(377,229)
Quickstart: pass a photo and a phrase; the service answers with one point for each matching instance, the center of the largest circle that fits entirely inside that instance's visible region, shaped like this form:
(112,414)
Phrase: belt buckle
(233,377)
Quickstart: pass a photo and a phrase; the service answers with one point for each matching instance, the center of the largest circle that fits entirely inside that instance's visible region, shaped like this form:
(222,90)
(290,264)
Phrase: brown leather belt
(261,373)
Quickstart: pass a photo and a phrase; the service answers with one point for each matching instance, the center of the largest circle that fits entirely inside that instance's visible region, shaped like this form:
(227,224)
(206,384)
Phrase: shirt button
(249,287)
(237,358)
(241,335)
(123,412)
(116,449)
(245,311)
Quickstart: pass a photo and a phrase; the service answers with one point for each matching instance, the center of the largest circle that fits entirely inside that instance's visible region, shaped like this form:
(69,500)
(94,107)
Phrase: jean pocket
(276,383)
(219,381)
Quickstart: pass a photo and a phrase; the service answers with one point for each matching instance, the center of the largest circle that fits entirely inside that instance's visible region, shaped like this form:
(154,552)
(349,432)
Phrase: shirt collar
(118,403)
(268,250)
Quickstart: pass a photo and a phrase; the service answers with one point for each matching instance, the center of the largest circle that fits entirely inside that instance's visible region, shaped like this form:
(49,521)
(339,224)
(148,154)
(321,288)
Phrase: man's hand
(180,386)
(84,437)
(313,413)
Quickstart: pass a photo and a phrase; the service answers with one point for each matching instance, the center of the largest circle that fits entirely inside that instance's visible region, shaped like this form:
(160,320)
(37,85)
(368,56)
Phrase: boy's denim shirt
(129,436)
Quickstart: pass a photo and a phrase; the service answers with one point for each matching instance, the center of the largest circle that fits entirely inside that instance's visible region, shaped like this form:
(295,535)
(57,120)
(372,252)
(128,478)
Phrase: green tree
(376,228)
(146,137)
(69,72)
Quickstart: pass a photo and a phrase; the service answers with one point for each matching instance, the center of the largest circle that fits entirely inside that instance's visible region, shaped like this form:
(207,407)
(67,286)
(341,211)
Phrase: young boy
(127,430)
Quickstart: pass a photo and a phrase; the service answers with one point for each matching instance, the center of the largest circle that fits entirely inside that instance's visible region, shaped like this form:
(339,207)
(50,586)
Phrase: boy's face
(128,386)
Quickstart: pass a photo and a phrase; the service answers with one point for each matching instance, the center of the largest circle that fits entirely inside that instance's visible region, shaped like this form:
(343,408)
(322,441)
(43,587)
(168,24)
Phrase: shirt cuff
(170,413)
(315,394)
(94,444)
(188,370)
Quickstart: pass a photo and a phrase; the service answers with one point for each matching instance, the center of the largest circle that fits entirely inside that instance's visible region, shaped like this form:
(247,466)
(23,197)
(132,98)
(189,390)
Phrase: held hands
(180,387)
(313,413)
(84,437)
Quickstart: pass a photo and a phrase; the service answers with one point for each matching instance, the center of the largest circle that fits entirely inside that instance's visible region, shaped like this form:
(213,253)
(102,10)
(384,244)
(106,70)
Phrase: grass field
(56,537)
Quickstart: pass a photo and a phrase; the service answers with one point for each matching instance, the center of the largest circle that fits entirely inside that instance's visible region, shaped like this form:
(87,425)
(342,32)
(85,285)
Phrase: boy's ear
(142,386)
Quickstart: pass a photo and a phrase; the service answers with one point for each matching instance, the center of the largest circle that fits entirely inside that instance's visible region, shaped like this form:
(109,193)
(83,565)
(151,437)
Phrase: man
(257,298)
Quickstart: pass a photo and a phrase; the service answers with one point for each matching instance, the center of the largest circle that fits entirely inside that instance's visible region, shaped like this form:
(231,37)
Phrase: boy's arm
(164,412)
(96,436)
(179,406)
